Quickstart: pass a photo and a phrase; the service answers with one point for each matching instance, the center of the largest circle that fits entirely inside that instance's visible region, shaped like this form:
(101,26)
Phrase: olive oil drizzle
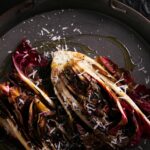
(129,65)
(70,40)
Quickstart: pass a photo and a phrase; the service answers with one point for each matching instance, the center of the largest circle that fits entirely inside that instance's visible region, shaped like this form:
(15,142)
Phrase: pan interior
(90,29)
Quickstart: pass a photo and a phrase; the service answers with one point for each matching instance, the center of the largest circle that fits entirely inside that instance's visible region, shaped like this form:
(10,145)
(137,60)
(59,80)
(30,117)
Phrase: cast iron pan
(88,27)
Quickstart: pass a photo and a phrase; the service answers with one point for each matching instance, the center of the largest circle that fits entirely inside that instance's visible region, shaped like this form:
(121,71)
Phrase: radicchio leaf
(138,93)
(25,58)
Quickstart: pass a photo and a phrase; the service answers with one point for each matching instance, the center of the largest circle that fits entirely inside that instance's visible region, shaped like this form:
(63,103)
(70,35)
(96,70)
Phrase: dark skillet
(97,18)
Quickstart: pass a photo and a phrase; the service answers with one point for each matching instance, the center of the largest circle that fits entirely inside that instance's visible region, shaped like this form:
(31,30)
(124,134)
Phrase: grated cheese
(64,28)
(90,107)
(77,30)
(72,24)
(52,130)
(142,68)
(44,29)
(145,96)
(75,49)
(9,52)
(32,74)
(147,79)
(46,54)
(120,80)
(140,147)
(39,58)
(26,55)
(42,33)
(54,38)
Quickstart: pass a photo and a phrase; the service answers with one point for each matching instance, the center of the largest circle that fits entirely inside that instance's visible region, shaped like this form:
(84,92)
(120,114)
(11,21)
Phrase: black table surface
(143,6)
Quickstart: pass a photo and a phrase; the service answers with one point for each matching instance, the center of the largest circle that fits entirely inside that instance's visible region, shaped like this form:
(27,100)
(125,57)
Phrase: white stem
(111,85)
(33,86)
(9,126)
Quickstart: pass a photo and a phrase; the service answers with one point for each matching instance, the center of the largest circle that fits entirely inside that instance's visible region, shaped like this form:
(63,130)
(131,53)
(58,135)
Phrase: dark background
(143,6)
(7,4)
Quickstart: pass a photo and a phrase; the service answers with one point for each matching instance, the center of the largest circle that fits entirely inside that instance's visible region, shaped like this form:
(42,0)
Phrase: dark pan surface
(64,23)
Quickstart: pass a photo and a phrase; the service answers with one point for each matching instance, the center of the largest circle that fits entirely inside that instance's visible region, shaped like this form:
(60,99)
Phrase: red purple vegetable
(93,104)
